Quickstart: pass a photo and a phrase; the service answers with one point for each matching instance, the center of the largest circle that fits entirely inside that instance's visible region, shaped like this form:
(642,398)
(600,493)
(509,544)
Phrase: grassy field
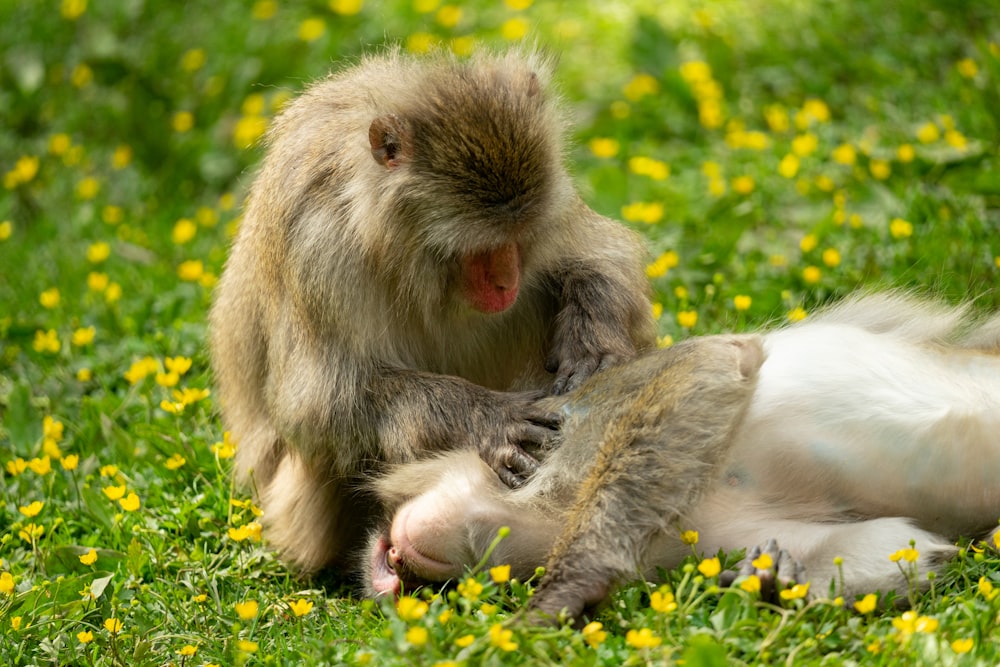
(776,154)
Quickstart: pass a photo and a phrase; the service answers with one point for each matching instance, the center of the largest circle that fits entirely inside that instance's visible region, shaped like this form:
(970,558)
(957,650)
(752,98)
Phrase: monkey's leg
(654,461)
(862,547)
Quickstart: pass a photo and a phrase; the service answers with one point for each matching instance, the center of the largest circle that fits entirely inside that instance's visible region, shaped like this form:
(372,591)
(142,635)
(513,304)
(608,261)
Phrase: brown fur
(342,335)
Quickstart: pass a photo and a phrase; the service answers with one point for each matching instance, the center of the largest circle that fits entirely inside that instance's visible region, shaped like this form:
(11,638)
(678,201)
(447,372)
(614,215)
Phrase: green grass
(124,149)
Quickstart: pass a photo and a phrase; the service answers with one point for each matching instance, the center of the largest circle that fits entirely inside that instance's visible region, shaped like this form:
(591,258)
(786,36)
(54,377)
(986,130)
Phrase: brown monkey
(848,435)
(413,266)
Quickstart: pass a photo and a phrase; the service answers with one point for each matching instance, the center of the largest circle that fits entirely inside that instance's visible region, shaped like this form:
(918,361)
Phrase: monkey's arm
(605,316)
(657,456)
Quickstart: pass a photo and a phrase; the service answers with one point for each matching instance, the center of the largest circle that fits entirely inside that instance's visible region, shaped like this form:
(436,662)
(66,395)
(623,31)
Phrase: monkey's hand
(572,365)
(524,427)
(775,567)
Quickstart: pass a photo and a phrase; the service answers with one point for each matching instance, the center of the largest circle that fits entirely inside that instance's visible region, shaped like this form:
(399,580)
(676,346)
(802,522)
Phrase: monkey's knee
(309,518)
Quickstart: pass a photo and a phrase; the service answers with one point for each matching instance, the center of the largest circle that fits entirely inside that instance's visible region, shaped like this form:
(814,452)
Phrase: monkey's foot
(774,567)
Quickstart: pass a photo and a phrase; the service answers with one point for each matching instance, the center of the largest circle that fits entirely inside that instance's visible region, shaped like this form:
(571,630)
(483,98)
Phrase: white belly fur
(851,424)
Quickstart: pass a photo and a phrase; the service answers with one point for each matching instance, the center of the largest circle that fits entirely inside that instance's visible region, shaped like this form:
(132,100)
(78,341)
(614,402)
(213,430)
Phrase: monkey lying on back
(847,435)
(413,258)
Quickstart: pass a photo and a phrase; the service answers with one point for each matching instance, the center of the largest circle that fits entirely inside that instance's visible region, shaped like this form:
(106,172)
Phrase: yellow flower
(796,592)
(46,341)
(741,302)
(604,147)
(643,212)
(114,492)
(84,336)
(88,188)
(689,537)
(867,604)
(808,243)
(410,608)
(811,275)
(986,589)
(662,600)
(796,314)
(816,109)
(962,645)
(129,503)
(52,428)
(225,449)
(264,9)
(763,562)
(246,646)
(97,282)
(85,636)
(346,7)
(687,318)
(187,650)
(967,67)
(6,229)
(805,144)
(249,531)
(246,610)
(89,558)
(695,71)
(789,166)
(40,466)
(300,607)
(594,634)
(645,166)
(831,257)
(906,153)
(449,16)
(175,462)
(182,121)
(465,641)
(183,231)
(193,60)
(140,369)
(662,264)
(120,159)
(643,638)
(247,130)
(31,510)
(25,170)
(928,133)
(167,379)
(69,462)
(751,584)
(311,29)
(501,638)
(470,589)
(200,598)
(500,574)
(179,365)
(910,623)
(844,154)
(49,298)
(710,567)
(514,28)
(880,169)
(743,185)
(109,470)
(517,5)
(955,139)
(900,229)
(98,252)
(6,583)
(113,293)
(15,622)
(31,532)
(640,86)
(71,10)
(113,625)
(417,635)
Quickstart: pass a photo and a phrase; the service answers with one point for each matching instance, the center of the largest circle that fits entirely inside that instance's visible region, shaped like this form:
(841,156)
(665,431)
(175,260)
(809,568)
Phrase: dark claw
(784,571)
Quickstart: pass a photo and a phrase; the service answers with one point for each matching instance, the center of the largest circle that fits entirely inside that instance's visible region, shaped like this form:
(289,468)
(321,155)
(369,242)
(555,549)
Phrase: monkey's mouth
(398,563)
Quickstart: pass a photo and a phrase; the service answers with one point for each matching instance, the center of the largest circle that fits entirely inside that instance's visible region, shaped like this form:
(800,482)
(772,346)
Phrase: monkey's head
(475,152)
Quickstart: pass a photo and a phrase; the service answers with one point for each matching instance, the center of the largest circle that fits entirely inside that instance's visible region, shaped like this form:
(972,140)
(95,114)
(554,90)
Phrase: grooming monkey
(848,435)
(413,270)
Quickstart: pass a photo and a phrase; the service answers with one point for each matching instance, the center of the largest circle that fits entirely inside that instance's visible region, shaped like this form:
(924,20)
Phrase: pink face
(491,279)
(450,525)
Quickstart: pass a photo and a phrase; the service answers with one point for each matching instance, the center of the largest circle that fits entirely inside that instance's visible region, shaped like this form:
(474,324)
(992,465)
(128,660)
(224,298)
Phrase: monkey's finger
(509,478)
(519,461)
(788,570)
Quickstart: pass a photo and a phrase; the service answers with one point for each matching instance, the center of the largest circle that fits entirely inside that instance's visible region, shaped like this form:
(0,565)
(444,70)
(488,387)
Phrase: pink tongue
(492,278)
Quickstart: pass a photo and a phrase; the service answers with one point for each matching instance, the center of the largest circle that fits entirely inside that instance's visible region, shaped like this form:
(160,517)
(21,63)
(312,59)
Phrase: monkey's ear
(390,141)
